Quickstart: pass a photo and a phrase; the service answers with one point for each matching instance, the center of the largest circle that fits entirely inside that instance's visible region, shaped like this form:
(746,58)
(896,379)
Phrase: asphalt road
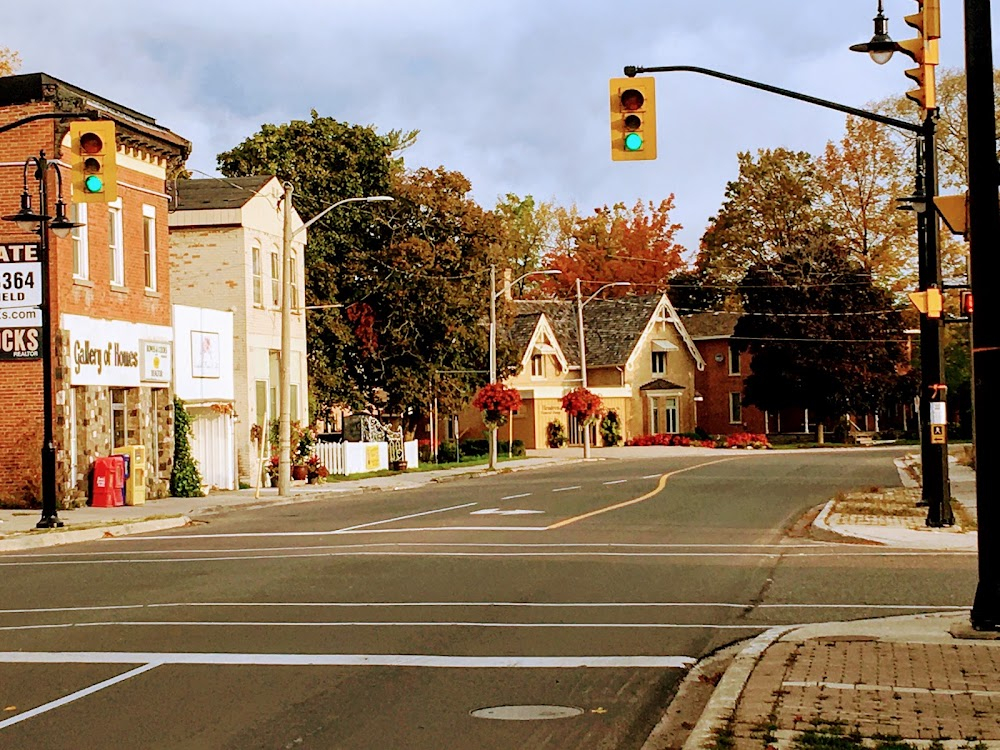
(561,604)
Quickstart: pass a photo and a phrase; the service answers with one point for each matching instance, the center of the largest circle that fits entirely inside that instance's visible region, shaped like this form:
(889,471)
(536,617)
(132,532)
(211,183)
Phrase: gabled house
(226,253)
(639,359)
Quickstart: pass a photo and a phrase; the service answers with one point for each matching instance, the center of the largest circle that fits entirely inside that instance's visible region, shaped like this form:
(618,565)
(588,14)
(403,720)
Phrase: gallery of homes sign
(117,353)
(20,301)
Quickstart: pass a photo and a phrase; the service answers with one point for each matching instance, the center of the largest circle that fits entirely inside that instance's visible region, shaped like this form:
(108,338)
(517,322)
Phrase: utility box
(107,482)
(135,477)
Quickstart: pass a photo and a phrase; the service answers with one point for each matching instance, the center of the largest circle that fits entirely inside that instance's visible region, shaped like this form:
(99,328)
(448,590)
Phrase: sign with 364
(20,284)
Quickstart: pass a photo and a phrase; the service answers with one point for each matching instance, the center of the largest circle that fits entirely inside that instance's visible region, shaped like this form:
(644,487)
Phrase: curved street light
(580,304)
(285,364)
(494,294)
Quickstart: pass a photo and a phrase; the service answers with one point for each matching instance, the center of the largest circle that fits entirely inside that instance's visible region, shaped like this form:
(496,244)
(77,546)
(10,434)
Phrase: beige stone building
(640,361)
(226,253)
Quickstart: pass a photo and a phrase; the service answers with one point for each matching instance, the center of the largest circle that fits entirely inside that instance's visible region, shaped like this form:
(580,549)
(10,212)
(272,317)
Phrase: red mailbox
(108,482)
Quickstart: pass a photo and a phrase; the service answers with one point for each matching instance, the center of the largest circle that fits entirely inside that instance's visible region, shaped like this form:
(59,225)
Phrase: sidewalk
(923,681)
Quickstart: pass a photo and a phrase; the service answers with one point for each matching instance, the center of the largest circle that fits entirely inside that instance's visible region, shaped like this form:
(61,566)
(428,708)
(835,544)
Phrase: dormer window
(659,363)
(537,366)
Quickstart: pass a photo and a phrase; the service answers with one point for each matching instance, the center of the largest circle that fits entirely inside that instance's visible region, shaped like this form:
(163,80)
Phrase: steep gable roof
(221,192)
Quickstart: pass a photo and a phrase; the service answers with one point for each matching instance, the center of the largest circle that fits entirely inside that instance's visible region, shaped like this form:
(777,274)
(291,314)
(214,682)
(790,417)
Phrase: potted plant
(315,470)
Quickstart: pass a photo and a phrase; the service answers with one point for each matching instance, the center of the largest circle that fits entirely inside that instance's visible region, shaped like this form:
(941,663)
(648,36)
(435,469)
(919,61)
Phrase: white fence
(357,458)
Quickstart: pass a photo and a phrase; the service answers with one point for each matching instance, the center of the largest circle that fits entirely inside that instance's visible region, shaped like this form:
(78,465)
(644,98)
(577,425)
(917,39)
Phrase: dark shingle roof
(710,325)
(612,327)
(661,385)
(221,192)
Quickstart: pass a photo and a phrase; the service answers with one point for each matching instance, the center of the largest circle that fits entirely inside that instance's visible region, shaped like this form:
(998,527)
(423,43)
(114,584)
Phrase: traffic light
(929,302)
(924,51)
(633,119)
(92,161)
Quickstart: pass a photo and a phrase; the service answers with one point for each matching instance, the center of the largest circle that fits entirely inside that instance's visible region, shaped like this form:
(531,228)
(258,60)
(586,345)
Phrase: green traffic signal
(633,142)
(93,184)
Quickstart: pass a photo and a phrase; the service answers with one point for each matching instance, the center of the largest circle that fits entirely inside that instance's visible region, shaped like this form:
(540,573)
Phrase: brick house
(640,361)
(720,384)
(109,293)
(226,239)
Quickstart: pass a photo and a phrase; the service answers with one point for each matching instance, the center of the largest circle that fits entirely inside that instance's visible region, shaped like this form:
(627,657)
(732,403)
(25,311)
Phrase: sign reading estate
(20,300)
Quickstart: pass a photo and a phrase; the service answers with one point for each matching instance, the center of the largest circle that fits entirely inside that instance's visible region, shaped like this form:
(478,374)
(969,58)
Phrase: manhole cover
(526,713)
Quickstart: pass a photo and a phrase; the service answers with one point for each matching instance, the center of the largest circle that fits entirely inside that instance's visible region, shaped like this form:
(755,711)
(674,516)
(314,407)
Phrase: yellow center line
(659,488)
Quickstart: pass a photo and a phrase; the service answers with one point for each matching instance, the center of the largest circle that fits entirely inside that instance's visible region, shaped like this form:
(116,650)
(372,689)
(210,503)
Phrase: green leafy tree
(327,161)
(821,335)
(528,232)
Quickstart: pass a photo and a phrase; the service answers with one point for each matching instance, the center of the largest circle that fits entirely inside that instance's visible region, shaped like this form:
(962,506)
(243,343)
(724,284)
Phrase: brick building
(109,298)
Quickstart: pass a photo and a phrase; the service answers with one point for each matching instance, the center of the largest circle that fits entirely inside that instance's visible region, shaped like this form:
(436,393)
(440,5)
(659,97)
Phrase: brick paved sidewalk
(872,685)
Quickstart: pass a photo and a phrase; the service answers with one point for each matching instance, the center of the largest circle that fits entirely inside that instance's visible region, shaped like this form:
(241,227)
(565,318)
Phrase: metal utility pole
(285,361)
(984,267)
(493,356)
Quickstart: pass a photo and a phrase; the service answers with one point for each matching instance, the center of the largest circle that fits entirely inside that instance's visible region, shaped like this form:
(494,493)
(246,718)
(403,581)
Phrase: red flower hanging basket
(585,405)
(496,401)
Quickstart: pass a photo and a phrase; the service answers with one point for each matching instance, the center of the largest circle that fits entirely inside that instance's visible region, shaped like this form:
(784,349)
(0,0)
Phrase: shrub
(555,435)
(747,440)
(611,429)
(515,449)
(185,479)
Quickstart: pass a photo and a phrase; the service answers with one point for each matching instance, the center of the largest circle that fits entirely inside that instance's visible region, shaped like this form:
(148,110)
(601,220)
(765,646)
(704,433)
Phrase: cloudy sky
(512,94)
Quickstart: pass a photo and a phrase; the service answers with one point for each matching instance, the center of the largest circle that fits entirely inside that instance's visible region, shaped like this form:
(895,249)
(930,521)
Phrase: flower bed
(738,440)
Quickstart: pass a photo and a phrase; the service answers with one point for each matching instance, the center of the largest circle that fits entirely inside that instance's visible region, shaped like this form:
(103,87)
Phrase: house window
(149,245)
(663,414)
(116,243)
(735,409)
(659,363)
(258,292)
(81,256)
(537,366)
(117,417)
(293,280)
(734,359)
(275,278)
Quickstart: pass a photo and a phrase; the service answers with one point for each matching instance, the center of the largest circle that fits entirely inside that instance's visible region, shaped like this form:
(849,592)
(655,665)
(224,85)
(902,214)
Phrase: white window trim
(275,298)
(653,356)
(256,275)
(117,250)
(293,280)
(81,238)
(149,212)
(540,359)
(732,416)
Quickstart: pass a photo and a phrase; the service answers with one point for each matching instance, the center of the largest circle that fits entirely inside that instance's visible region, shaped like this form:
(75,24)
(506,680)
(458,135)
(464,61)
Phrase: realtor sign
(20,302)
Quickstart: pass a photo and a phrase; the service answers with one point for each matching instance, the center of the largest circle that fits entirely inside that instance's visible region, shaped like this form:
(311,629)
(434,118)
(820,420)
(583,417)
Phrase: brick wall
(715,384)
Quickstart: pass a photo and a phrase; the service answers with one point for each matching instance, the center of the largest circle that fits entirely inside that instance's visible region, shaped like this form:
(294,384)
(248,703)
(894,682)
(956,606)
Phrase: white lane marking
(82,693)
(373,624)
(515,497)
(477,545)
(345,660)
(224,556)
(652,476)
(616,481)
(329,532)
(526,605)
(566,489)
(499,512)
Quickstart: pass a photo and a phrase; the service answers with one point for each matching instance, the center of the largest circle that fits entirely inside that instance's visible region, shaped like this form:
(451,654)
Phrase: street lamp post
(580,304)
(29,221)
(285,363)
(493,337)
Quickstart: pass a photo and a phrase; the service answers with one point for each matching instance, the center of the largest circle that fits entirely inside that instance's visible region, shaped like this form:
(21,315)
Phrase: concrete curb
(722,705)
(56,537)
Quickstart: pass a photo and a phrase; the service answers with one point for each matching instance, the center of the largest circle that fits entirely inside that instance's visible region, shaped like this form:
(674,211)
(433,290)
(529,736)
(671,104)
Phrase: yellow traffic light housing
(92,161)
(633,119)
(924,51)
(929,302)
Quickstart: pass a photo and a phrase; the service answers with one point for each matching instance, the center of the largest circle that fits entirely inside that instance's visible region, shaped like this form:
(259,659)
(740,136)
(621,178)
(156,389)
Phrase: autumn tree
(10,62)
(634,244)
(860,179)
(770,209)
(822,336)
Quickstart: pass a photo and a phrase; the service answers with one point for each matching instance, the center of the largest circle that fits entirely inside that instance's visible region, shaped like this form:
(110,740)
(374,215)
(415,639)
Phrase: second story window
(116,243)
(659,363)
(275,278)
(537,366)
(734,359)
(149,245)
(258,291)
(81,251)
(293,279)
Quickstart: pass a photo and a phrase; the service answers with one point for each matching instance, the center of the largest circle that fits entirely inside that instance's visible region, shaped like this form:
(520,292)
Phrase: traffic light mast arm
(632,70)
